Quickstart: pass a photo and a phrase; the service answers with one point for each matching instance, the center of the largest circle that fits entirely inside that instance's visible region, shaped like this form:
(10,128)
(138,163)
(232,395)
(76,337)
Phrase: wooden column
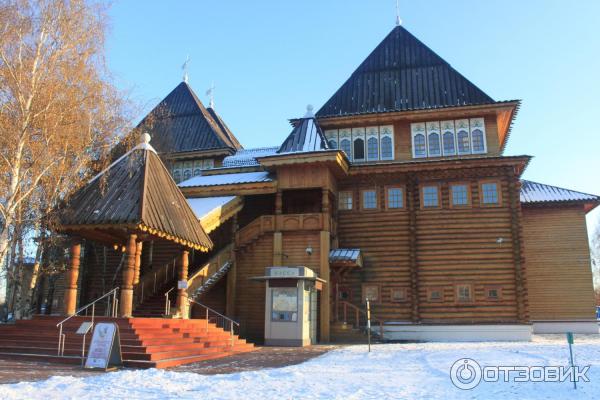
(182,273)
(413,195)
(72,277)
(126,303)
(324,274)
(516,233)
(138,263)
(277,235)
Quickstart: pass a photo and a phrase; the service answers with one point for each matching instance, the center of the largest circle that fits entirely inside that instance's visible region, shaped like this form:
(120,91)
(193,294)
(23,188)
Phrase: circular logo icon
(465,373)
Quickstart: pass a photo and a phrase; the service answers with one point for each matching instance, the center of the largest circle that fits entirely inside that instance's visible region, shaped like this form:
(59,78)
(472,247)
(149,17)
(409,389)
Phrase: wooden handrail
(152,281)
(357,313)
(211,267)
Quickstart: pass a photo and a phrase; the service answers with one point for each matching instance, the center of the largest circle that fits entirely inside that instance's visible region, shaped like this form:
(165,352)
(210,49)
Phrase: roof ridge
(560,188)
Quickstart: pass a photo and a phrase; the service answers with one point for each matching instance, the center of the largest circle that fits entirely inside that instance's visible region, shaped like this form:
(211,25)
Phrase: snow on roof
(247,157)
(203,205)
(533,192)
(344,254)
(227,179)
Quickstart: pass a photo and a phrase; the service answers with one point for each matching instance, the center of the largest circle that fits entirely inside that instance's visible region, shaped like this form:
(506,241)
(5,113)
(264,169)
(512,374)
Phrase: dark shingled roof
(181,123)
(402,74)
(136,191)
(306,136)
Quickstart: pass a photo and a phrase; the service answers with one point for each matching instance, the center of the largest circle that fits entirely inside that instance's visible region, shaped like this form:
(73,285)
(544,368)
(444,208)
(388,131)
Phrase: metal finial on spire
(184,67)
(210,92)
(309,111)
(398,20)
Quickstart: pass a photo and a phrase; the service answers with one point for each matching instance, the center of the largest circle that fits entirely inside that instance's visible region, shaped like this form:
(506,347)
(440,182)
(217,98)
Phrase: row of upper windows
(448,138)
(430,196)
(372,143)
(184,170)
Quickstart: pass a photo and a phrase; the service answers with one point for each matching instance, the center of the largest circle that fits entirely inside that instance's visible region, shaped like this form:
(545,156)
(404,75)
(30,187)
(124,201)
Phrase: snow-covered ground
(391,371)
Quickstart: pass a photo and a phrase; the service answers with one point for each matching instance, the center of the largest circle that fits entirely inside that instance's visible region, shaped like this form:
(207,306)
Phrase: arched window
(187,174)
(197,171)
(419,144)
(449,148)
(463,142)
(386,148)
(478,144)
(434,145)
(177,176)
(359,149)
(332,144)
(372,148)
(346,147)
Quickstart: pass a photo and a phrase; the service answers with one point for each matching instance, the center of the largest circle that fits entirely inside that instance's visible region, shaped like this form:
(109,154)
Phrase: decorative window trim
(474,124)
(351,196)
(451,195)
(462,125)
(486,295)
(345,134)
(387,199)
(418,129)
(457,288)
(433,128)
(386,131)
(499,191)
(332,135)
(432,289)
(439,193)
(359,134)
(372,132)
(448,127)
(363,293)
(362,199)
(405,298)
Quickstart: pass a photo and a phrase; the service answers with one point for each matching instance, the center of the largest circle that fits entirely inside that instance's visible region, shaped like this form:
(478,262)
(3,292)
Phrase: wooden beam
(412,195)
(324,274)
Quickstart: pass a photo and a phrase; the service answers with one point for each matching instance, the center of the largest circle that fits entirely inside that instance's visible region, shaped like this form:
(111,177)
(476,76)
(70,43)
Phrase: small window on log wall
(464,293)
(460,195)
(370,292)
(345,200)
(493,293)
(398,294)
(489,193)
(369,199)
(435,295)
(430,196)
(395,197)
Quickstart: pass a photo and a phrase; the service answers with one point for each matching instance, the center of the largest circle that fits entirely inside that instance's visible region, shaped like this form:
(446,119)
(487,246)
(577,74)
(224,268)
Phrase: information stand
(105,349)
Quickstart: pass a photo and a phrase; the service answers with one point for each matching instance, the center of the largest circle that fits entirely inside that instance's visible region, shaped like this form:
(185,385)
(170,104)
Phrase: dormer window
(358,144)
(433,139)
(345,142)
(372,143)
(420,150)
(448,140)
(478,144)
(387,142)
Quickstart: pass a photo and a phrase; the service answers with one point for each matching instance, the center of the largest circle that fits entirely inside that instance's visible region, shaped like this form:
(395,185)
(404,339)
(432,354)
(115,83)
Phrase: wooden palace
(396,190)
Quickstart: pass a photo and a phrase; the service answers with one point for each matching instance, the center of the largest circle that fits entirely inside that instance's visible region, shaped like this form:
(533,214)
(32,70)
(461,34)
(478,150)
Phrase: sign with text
(105,349)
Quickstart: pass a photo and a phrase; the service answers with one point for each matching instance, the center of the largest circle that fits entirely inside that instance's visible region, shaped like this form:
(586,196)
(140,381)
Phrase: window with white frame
(462,136)
(418,140)
(489,193)
(372,143)
(433,139)
(386,135)
(332,138)
(430,196)
(369,199)
(395,197)
(358,143)
(448,138)
(345,200)
(478,144)
(345,137)
(464,293)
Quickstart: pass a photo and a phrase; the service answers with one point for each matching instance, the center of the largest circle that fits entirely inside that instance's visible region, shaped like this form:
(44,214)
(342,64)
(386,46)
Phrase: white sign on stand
(105,349)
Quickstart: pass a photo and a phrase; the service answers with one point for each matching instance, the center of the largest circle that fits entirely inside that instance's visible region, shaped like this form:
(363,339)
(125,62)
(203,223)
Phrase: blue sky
(268,59)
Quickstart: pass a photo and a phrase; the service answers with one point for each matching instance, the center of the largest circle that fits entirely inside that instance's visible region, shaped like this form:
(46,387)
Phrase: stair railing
(111,311)
(219,319)
(355,313)
(211,267)
(167,302)
(153,281)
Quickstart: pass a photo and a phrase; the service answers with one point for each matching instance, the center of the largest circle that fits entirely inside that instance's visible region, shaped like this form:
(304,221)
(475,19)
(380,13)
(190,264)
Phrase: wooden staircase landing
(145,342)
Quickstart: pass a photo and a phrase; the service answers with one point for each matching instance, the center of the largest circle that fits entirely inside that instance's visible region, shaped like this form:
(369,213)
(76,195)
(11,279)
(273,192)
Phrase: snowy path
(394,371)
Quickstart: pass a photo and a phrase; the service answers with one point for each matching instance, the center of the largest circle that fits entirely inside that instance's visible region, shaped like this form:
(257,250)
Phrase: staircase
(350,325)
(145,342)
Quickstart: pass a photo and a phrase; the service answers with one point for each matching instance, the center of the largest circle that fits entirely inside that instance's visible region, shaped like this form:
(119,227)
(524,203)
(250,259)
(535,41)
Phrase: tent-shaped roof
(402,74)
(135,192)
(181,123)
(306,136)
(533,192)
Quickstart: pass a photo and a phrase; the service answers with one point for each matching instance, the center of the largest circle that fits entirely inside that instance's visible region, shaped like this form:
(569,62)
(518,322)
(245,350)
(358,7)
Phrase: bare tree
(59,111)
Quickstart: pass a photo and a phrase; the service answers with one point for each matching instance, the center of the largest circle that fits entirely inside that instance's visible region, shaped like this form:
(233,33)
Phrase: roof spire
(210,92)
(184,67)
(309,111)
(398,20)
